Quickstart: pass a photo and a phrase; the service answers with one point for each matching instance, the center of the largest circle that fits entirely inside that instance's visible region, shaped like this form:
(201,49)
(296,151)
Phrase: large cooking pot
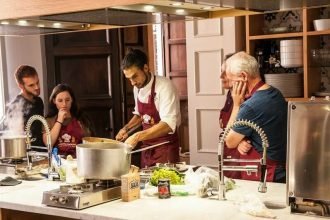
(86,140)
(105,160)
(12,146)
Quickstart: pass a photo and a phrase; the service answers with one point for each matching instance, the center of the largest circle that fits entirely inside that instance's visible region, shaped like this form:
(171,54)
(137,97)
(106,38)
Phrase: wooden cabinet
(259,35)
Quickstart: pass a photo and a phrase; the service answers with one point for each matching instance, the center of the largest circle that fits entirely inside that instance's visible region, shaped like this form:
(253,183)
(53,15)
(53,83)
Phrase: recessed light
(207,8)
(40,25)
(149,7)
(5,22)
(57,24)
(176,4)
(180,11)
(22,22)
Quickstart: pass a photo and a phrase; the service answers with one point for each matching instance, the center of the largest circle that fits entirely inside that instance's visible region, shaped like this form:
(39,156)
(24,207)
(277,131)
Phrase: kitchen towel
(9,181)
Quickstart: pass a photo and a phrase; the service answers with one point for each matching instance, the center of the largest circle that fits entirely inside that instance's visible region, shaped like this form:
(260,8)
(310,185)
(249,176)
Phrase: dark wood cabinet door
(89,62)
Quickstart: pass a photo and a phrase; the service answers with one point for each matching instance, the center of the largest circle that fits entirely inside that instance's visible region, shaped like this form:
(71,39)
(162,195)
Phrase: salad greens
(174,176)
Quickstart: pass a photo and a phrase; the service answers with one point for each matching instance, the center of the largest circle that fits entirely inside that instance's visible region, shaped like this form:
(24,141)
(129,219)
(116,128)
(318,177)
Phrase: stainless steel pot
(13,146)
(105,160)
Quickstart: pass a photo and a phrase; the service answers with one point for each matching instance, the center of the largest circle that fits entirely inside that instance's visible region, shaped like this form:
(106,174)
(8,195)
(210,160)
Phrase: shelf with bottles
(318,49)
(275,25)
(286,53)
(318,65)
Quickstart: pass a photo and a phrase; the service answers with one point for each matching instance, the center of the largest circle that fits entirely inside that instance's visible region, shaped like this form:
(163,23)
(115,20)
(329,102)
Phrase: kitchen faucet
(249,168)
(51,173)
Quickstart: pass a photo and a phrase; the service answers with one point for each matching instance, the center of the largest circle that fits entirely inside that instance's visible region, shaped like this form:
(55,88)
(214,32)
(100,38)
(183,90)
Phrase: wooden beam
(11,9)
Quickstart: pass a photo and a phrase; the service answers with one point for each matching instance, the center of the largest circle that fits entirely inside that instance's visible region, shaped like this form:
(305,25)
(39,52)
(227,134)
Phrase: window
(2,90)
(158,48)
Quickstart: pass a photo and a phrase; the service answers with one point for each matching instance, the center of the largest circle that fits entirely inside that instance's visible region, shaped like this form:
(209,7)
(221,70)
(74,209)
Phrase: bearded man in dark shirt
(26,104)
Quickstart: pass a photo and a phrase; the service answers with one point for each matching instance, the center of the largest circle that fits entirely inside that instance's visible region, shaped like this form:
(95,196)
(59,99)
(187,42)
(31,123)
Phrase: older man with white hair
(265,106)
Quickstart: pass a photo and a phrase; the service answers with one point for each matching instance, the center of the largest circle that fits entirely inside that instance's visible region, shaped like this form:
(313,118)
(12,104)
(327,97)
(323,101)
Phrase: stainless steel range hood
(40,17)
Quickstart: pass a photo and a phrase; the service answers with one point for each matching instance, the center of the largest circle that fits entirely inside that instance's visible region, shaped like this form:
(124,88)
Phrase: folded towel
(9,181)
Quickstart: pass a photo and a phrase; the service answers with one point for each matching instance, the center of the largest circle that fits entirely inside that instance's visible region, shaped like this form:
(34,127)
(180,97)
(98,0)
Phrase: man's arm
(233,139)
(122,134)
(169,112)
(158,130)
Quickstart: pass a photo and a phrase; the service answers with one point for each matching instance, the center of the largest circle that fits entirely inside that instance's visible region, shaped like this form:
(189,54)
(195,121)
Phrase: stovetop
(83,195)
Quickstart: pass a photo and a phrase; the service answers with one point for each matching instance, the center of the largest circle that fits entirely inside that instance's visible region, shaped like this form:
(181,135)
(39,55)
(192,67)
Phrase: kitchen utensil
(149,147)
(105,160)
(133,129)
(13,146)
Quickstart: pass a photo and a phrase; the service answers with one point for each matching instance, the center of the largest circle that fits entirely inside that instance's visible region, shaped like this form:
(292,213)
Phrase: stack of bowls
(291,53)
(290,84)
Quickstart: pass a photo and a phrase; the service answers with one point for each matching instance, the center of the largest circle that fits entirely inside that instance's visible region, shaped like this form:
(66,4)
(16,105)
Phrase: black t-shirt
(21,107)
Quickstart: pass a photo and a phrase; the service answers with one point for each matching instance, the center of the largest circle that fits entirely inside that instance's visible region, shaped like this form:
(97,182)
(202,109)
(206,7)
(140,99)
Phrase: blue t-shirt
(268,109)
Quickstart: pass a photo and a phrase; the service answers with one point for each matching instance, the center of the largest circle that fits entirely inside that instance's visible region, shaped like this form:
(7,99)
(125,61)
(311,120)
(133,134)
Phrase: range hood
(40,17)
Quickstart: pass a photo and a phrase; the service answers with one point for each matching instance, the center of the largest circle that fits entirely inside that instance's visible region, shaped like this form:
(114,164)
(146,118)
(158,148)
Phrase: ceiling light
(41,25)
(149,7)
(5,22)
(57,24)
(180,11)
(22,22)
(176,4)
(207,8)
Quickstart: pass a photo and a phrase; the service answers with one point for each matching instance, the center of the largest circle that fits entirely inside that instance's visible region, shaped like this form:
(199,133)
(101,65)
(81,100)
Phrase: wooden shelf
(274,36)
(310,38)
(317,33)
(296,99)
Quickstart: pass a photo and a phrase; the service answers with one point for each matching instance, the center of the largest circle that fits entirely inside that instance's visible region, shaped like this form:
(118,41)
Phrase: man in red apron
(266,107)
(157,109)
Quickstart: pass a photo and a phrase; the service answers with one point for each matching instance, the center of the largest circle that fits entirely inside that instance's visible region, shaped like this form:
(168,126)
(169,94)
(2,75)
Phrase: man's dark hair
(24,71)
(134,57)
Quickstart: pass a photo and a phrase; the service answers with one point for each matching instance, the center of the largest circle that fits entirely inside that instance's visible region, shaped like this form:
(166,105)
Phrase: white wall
(27,50)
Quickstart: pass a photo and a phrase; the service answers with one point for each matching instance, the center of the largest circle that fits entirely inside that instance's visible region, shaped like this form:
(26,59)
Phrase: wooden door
(89,63)
(176,70)
(207,43)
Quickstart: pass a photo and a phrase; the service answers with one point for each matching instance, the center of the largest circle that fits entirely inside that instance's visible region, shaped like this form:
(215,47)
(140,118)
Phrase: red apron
(167,153)
(229,153)
(70,135)
(253,154)
(271,166)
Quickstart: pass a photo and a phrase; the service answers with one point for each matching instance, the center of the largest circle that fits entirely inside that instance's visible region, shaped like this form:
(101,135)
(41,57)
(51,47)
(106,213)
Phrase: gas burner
(108,183)
(78,188)
(83,195)
(12,161)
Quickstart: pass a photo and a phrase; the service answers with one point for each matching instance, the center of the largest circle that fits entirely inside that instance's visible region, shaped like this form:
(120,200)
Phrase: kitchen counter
(27,197)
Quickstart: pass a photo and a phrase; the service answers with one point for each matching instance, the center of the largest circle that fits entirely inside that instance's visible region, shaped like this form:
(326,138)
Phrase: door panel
(207,42)
(176,69)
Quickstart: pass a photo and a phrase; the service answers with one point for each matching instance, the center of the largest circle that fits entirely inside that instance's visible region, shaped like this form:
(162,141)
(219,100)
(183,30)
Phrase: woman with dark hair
(66,123)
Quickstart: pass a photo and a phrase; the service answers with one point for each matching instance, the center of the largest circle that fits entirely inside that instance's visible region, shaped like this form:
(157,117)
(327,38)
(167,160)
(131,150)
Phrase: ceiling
(39,17)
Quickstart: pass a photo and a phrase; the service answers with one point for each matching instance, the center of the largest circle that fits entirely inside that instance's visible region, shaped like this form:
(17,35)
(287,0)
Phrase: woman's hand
(238,92)
(62,115)
(244,147)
